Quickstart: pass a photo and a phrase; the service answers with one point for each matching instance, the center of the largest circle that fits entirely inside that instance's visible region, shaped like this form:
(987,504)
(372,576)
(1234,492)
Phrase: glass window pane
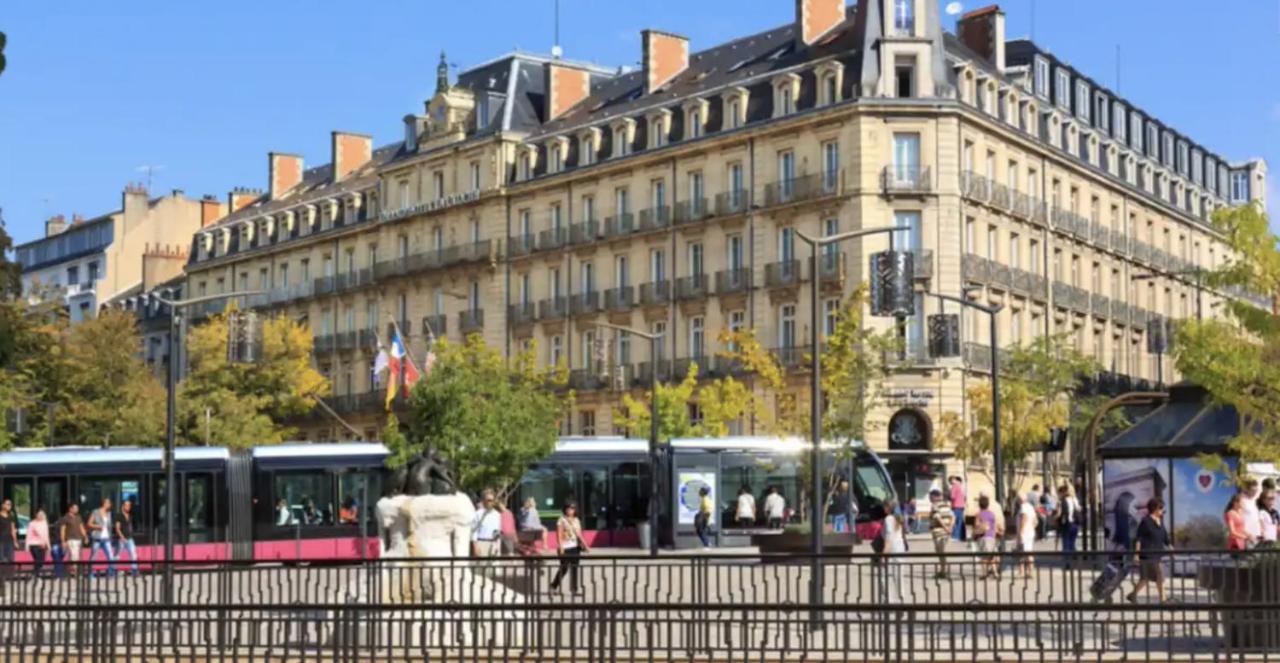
(550,487)
(304,498)
(356,490)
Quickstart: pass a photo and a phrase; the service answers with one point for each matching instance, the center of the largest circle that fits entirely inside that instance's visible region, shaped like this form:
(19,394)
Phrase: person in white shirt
(1268,516)
(775,507)
(746,513)
(1252,520)
(1027,521)
(895,543)
(486,529)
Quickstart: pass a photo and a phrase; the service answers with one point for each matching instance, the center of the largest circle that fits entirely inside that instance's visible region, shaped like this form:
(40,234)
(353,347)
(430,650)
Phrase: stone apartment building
(97,260)
(536,196)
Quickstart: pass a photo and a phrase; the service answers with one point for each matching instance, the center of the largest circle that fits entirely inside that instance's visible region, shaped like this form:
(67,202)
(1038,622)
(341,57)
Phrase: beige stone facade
(667,200)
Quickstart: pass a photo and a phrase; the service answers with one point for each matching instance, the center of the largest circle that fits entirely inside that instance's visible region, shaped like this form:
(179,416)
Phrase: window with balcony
(622,271)
(734,248)
(1033,256)
(830,165)
(658,194)
(555,350)
(659,329)
(911,238)
(697,337)
(786,244)
(787,326)
(695,259)
(526,289)
(621,201)
(906,158)
(587,272)
(657,265)
(1015,253)
(830,315)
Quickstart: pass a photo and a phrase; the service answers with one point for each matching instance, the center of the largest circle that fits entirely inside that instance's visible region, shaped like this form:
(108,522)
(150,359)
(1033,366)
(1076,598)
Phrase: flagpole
(407,353)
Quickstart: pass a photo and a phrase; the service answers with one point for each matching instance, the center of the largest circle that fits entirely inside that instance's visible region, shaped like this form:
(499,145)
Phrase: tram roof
(53,456)
(309,449)
(734,442)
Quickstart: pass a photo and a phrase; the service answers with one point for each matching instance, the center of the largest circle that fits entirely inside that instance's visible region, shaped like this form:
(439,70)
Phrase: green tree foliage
(10,271)
(721,401)
(114,396)
(241,405)
(492,417)
(1237,359)
(1037,382)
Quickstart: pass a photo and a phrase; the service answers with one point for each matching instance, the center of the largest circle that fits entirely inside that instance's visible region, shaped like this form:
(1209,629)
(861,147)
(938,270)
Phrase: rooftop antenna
(150,171)
(556,51)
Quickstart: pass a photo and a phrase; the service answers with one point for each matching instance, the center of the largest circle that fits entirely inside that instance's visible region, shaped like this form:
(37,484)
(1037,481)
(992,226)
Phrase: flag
(380,363)
(400,367)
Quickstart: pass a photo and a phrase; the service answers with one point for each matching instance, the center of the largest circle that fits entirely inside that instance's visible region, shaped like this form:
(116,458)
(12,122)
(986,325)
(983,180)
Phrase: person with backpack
(1068,517)
(942,520)
(100,530)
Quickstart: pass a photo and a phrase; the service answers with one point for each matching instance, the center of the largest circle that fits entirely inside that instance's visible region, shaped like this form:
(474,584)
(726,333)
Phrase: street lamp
(653,428)
(817,499)
(171,403)
(996,449)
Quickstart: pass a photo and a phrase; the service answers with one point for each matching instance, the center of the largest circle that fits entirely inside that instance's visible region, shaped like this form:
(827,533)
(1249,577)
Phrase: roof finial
(442,74)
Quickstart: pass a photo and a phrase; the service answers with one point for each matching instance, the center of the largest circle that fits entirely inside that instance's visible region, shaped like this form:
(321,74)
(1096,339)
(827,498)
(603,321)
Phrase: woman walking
(702,521)
(1238,537)
(895,543)
(1068,517)
(1150,544)
(986,529)
(1267,516)
(570,546)
(1028,521)
(38,541)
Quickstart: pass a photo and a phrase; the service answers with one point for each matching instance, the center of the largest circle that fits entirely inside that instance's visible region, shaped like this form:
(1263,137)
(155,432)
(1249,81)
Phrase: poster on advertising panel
(690,484)
(1200,497)
(1128,485)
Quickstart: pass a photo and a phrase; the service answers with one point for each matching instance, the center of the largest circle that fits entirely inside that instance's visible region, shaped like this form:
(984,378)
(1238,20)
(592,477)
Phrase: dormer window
(1062,89)
(1117,121)
(695,123)
(904,18)
(1168,149)
(1082,100)
(695,118)
(1183,166)
(588,145)
(1042,77)
(1135,132)
(1101,114)
(623,133)
(557,158)
(482,112)
(659,127)
(735,108)
(785,90)
(1153,141)
(830,90)
(526,166)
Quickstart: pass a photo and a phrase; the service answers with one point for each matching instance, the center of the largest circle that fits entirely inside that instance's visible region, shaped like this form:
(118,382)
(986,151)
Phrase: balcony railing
(905,179)
(346,340)
(831,268)
(584,303)
(619,225)
(691,211)
(391,268)
(325,343)
(706,367)
(655,218)
(975,186)
(521,313)
(584,233)
(586,379)
(782,274)
(325,285)
(352,280)
(437,325)
(471,321)
(791,356)
(554,238)
(655,293)
(1100,305)
(619,299)
(798,189)
(469,252)
(555,308)
(644,371)
(975,268)
(731,281)
(691,287)
(521,245)
(734,201)
(1028,283)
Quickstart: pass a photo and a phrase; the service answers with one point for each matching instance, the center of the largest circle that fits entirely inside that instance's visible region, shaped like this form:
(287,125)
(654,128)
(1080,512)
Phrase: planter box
(799,543)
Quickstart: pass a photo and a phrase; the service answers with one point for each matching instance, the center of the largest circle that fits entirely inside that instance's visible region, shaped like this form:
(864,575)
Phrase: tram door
(21,491)
(198,508)
(693,472)
(594,482)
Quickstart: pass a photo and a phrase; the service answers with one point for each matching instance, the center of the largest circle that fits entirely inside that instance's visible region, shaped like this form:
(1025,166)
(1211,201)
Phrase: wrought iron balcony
(555,308)
(619,225)
(521,245)
(325,285)
(471,321)
(619,299)
(586,379)
(734,201)
(706,367)
(391,268)
(521,313)
(437,325)
(791,356)
(691,211)
(974,186)
(831,268)
(584,303)
(905,179)
(691,287)
(644,371)
(921,264)
(798,189)
(730,281)
(554,238)
(782,274)
(584,233)
(655,218)
(354,279)
(655,293)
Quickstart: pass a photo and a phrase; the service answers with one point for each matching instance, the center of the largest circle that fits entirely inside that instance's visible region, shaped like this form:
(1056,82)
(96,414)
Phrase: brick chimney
(566,87)
(815,18)
(240,198)
(982,30)
(284,171)
(55,225)
(350,152)
(665,56)
(210,211)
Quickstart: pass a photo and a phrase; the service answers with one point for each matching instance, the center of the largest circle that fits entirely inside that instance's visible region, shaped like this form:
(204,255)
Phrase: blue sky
(94,92)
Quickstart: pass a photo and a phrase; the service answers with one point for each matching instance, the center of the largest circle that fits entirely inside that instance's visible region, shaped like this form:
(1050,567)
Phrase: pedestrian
(702,521)
(1027,523)
(1033,495)
(124,536)
(8,538)
(845,508)
(746,511)
(1238,537)
(38,541)
(986,529)
(775,508)
(1149,546)
(486,528)
(895,543)
(1068,517)
(1268,515)
(71,538)
(570,546)
(1249,506)
(100,536)
(958,506)
(942,522)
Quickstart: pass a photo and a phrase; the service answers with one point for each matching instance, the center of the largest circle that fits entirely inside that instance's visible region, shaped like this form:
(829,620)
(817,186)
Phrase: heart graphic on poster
(1204,481)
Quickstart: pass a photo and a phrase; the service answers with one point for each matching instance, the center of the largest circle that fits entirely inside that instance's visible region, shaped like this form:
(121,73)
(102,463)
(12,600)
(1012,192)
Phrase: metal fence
(961,606)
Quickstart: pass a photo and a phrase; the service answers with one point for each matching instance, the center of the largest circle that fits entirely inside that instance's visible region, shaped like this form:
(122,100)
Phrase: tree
(113,397)
(1237,360)
(491,417)
(1037,382)
(10,272)
(721,402)
(35,367)
(240,404)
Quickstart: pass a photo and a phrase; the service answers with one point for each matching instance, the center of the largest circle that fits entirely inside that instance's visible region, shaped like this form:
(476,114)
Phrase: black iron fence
(916,606)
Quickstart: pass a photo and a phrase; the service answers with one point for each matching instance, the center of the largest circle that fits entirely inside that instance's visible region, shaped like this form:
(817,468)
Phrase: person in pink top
(38,541)
(957,506)
(1238,537)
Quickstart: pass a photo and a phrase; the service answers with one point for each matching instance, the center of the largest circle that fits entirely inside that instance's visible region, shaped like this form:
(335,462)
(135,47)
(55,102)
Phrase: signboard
(908,397)
(690,483)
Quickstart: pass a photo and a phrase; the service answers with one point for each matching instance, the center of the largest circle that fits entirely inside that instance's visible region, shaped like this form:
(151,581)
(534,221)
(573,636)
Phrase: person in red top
(957,506)
(1238,537)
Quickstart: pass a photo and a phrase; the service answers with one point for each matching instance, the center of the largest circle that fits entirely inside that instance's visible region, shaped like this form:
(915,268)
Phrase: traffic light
(2,40)
(892,278)
(243,333)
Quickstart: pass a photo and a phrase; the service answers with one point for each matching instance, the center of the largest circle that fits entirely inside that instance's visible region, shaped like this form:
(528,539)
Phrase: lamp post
(816,497)
(176,323)
(996,449)
(653,428)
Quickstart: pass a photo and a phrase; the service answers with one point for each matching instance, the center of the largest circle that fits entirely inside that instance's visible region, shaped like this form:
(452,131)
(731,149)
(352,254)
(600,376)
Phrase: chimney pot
(567,86)
(284,171)
(983,31)
(665,56)
(816,18)
(350,151)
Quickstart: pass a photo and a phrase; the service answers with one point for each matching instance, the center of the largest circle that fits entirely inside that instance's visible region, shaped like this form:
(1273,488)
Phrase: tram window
(53,498)
(631,493)
(95,489)
(783,474)
(873,486)
(304,498)
(550,488)
(199,504)
(354,488)
(19,490)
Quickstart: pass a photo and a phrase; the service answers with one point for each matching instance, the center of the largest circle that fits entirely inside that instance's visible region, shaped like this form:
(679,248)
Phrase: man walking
(486,530)
(957,507)
(843,508)
(71,537)
(942,520)
(100,536)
